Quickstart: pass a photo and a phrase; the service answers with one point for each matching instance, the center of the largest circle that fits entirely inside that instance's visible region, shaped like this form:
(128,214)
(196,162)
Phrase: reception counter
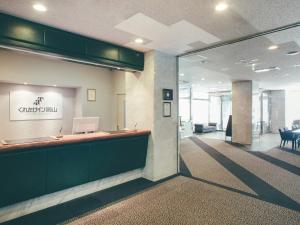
(29,170)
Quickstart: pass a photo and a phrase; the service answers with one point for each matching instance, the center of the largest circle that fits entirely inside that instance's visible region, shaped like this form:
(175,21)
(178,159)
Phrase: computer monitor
(85,125)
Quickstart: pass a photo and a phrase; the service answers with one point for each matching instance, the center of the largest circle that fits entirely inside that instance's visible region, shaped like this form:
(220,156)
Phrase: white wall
(18,68)
(37,128)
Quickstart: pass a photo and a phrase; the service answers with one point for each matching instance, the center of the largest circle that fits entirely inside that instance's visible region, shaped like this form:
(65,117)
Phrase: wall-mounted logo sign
(28,105)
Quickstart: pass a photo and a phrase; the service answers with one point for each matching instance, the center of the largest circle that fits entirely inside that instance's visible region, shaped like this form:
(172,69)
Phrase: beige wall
(144,107)
(17,68)
(118,77)
(22,67)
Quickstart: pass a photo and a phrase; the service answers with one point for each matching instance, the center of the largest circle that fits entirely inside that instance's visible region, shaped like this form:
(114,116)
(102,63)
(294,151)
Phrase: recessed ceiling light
(292,53)
(221,6)
(220,82)
(297,65)
(39,7)
(139,41)
(273,47)
(25,83)
(54,85)
(203,78)
(182,74)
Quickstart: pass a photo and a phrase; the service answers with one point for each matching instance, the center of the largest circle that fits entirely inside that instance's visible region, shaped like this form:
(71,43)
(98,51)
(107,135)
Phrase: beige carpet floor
(218,197)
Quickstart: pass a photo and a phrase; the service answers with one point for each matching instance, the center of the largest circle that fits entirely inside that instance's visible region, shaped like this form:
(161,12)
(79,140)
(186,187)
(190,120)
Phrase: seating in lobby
(203,128)
(289,135)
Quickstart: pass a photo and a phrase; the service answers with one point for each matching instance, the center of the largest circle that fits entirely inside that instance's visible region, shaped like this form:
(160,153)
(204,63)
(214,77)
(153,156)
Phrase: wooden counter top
(68,139)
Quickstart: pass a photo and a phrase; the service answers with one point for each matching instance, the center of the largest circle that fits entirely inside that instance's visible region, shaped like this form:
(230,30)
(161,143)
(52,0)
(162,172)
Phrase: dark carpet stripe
(184,170)
(295,152)
(87,204)
(282,164)
(223,186)
(262,188)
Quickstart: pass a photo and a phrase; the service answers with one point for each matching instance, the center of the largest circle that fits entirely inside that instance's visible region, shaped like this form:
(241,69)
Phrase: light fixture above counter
(48,41)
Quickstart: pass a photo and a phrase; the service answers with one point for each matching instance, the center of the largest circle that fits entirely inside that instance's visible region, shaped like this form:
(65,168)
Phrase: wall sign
(29,105)
(91,95)
(167,109)
(167,94)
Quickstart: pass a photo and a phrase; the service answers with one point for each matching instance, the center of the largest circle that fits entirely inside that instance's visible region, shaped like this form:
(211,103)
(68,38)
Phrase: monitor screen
(85,125)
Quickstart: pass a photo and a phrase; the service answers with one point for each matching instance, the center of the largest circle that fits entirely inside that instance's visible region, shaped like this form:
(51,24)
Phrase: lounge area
(290,136)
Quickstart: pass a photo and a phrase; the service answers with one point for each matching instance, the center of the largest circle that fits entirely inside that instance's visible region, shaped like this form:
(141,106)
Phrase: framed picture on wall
(91,95)
(166,109)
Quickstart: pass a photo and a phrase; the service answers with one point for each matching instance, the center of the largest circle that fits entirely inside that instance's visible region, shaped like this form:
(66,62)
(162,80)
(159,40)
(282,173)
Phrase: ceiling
(171,26)
(215,69)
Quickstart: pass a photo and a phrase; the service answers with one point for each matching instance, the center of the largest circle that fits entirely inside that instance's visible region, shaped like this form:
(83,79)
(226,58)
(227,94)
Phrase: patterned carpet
(222,184)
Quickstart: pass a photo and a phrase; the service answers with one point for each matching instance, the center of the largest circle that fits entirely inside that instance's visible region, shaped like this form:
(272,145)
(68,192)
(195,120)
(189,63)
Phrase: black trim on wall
(23,34)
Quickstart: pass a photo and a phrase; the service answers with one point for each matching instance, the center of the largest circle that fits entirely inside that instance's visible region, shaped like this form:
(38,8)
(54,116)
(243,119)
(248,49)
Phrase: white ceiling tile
(191,33)
(144,26)
(173,39)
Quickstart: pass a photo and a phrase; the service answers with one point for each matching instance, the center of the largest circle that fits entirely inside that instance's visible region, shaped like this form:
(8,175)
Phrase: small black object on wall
(167,94)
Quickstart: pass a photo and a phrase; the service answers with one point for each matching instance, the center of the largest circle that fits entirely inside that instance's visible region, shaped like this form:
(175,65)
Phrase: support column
(242,112)
(145,107)
(277,110)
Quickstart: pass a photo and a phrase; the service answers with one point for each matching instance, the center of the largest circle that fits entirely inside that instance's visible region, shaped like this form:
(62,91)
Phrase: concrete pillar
(145,107)
(242,112)
(277,110)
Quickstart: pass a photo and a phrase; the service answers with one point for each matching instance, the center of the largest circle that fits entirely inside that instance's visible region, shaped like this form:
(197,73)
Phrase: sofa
(205,128)
(296,125)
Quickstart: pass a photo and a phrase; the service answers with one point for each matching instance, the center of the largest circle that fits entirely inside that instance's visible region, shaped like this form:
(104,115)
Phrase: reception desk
(30,170)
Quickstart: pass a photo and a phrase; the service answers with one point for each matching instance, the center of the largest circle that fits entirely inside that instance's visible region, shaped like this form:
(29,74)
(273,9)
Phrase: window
(184,104)
(292,108)
(200,111)
(215,110)
(226,110)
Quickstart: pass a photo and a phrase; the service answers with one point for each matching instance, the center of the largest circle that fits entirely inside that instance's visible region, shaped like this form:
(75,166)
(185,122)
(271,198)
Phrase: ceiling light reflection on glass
(273,47)
(272,68)
(292,53)
(39,7)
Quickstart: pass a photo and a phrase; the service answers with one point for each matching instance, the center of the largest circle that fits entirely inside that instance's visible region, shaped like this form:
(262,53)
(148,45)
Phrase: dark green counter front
(38,171)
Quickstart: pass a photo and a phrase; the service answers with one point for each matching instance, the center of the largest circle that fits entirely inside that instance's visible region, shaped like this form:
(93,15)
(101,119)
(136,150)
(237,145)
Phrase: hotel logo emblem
(38,101)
